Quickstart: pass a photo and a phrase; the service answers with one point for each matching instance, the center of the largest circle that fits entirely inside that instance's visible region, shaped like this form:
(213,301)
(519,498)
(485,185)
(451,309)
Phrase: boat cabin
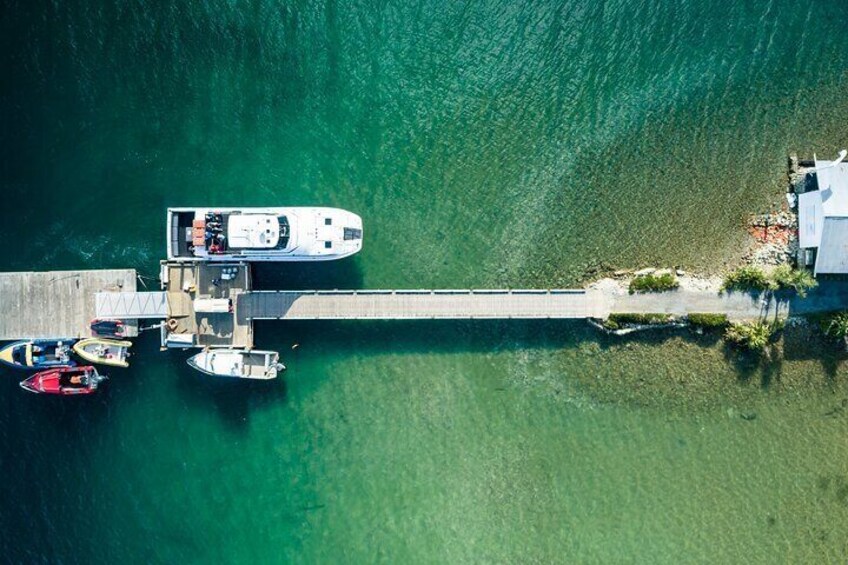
(220,233)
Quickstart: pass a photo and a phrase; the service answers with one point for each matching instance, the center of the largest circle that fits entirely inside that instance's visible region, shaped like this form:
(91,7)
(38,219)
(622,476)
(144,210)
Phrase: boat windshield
(19,355)
(284,233)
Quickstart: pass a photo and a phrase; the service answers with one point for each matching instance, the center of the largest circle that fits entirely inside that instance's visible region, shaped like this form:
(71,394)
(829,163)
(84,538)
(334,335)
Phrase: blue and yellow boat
(37,354)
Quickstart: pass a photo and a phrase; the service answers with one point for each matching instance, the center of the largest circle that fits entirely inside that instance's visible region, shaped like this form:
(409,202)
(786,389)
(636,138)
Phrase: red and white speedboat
(66,381)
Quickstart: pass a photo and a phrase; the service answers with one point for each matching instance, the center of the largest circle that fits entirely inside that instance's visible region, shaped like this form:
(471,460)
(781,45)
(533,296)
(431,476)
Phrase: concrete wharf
(57,303)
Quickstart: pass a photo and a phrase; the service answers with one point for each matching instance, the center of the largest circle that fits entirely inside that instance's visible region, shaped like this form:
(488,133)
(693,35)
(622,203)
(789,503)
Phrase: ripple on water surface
(492,144)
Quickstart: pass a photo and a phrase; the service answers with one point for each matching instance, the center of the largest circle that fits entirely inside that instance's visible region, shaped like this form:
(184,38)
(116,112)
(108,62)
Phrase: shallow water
(499,144)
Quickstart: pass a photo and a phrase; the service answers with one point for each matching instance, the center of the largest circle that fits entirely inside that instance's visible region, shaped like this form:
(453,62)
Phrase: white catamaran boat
(263,365)
(262,234)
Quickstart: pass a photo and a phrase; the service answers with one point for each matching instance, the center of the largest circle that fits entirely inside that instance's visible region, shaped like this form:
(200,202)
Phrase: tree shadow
(772,367)
(807,342)
(745,363)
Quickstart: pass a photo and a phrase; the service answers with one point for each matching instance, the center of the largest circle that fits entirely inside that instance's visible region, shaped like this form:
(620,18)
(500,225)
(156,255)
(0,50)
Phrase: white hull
(262,234)
(235,363)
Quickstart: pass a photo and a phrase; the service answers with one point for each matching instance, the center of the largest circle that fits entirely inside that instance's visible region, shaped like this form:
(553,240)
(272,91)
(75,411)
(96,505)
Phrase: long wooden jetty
(56,303)
(205,305)
(420,304)
(526,304)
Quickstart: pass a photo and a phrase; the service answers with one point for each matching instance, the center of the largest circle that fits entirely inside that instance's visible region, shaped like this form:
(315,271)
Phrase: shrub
(782,277)
(754,336)
(747,278)
(642,319)
(835,324)
(611,324)
(786,278)
(708,321)
(654,283)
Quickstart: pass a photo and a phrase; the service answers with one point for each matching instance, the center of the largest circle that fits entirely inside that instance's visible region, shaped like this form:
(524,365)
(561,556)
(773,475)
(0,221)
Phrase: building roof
(832,257)
(829,201)
(810,218)
(833,185)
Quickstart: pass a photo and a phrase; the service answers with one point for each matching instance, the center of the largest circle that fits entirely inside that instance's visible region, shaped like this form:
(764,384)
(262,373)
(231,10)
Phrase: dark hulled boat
(107,328)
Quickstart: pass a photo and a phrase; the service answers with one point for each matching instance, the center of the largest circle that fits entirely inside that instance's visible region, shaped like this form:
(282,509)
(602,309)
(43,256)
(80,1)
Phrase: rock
(643,272)
(680,272)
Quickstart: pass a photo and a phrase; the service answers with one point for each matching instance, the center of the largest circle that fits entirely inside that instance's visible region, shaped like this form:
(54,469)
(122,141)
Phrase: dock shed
(823,217)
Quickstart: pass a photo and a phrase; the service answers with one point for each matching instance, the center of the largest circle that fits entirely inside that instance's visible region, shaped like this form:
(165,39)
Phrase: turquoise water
(500,143)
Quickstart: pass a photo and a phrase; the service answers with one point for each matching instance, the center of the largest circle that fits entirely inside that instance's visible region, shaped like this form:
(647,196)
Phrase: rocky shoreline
(773,243)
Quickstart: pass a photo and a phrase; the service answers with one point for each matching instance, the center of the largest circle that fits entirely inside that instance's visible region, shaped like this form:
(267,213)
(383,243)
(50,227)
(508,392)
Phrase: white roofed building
(823,217)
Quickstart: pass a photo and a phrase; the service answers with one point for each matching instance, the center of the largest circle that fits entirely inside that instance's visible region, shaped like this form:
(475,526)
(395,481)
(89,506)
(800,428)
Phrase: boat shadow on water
(69,417)
(233,399)
(321,275)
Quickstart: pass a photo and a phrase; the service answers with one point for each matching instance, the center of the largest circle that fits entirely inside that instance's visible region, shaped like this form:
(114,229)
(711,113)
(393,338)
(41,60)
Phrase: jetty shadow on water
(375,337)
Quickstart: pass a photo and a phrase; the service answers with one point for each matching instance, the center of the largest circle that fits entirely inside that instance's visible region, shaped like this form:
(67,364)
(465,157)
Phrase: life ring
(172,324)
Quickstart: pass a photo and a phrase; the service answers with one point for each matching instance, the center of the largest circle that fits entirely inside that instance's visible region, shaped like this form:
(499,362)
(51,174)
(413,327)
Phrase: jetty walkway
(829,296)
(214,305)
(420,304)
(526,304)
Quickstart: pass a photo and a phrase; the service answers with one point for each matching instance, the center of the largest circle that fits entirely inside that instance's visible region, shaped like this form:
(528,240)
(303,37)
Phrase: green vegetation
(835,325)
(782,277)
(754,336)
(616,321)
(786,278)
(747,278)
(654,283)
(708,321)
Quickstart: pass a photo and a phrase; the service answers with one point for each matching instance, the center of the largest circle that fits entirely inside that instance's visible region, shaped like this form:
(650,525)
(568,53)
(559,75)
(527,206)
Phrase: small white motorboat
(238,363)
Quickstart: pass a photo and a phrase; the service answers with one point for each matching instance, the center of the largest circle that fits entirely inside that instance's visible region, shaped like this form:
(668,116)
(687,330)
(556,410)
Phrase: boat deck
(186,282)
(254,366)
(57,303)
